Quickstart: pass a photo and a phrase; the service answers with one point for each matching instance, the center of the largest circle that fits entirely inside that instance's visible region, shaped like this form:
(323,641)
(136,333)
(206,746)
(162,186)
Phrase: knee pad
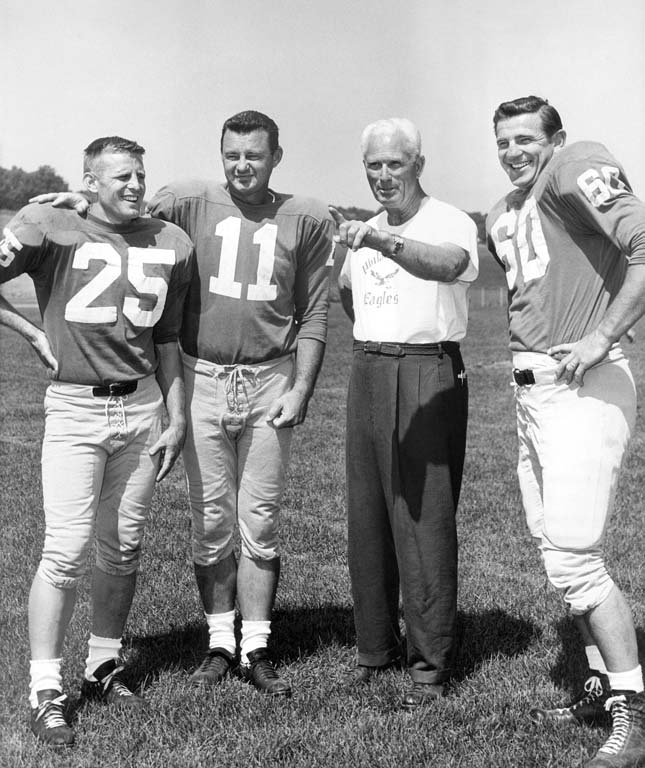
(260,542)
(60,575)
(205,554)
(121,563)
(580,576)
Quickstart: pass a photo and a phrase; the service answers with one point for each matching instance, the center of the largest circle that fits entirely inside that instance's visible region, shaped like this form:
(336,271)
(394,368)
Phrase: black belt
(523,378)
(400,350)
(116,389)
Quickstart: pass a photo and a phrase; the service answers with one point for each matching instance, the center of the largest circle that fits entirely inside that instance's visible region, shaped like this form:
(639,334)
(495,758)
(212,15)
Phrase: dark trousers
(406,439)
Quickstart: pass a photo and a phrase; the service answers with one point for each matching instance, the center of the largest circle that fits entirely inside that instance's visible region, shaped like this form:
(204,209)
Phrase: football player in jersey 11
(253,340)
(110,289)
(571,237)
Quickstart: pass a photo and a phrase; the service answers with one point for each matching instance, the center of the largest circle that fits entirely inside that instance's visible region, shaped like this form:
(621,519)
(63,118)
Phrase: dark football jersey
(566,245)
(262,271)
(107,293)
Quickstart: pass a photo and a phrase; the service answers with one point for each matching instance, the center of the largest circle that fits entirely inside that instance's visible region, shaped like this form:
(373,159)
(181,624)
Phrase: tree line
(17,186)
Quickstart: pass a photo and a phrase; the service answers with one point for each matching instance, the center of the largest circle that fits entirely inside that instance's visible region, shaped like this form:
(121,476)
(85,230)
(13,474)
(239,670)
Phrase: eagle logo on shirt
(383,280)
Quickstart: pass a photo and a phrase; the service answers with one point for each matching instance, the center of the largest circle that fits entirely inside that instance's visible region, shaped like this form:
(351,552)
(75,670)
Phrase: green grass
(516,646)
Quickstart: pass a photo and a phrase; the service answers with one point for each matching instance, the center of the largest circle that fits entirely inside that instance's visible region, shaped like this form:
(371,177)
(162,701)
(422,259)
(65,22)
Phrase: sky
(168,73)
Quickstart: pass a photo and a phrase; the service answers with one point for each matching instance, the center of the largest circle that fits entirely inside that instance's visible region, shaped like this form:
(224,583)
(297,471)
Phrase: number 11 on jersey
(224,283)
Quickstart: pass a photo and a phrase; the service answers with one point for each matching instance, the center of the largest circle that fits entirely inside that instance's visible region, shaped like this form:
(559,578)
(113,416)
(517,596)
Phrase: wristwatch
(399,242)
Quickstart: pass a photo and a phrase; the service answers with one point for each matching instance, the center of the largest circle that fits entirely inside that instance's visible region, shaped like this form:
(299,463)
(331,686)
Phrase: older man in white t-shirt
(404,285)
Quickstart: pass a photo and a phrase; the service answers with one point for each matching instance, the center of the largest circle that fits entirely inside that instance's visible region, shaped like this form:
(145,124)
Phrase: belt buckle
(523,378)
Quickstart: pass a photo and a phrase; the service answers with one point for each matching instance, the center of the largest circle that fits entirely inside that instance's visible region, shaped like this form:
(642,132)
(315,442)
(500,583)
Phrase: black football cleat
(625,747)
(48,721)
(588,708)
(216,665)
(110,687)
(262,675)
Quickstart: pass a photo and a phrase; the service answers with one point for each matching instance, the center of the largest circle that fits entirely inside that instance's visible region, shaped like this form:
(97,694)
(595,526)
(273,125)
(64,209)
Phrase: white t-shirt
(390,304)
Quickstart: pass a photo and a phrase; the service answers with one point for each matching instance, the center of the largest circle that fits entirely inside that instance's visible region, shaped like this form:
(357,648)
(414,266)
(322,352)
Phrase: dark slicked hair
(249,121)
(527,105)
(109,144)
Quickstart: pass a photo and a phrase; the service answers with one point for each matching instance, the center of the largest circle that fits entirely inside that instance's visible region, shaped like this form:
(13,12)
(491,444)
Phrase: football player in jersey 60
(110,289)
(571,237)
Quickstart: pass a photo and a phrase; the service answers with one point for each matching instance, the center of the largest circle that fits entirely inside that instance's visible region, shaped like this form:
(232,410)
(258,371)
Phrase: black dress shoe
(421,693)
(362,674)
(262,675)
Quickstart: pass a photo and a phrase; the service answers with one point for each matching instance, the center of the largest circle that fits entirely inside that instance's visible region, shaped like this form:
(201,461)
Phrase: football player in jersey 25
(571,238)
(110,288)
(253,338)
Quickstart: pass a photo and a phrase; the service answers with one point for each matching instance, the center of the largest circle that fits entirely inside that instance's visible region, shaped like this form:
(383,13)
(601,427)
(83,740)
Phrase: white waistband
(214,369)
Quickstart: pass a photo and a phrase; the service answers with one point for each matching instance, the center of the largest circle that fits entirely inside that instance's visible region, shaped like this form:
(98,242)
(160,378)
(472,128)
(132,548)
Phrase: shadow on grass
(298,633)
(571,669)
(295,634)
(486,635)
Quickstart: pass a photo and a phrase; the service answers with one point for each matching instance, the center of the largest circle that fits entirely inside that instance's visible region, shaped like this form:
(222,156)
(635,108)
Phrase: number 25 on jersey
(78,309)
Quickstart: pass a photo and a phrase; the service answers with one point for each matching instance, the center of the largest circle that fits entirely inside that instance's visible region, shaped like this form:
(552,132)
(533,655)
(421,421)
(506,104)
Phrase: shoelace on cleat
(593,691)
(620,725)
(51,712)
(121,689)
(114,683)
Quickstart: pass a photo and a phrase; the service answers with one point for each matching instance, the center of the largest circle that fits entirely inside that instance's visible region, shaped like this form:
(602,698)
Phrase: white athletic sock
(45,674)
(632,680)
(101,649)
(255,634)
(594,659)
(221,631)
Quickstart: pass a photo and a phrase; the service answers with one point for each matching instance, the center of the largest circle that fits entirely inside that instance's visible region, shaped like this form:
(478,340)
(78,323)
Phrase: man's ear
(559,139)
(89,182)
(420,164)
(277,156)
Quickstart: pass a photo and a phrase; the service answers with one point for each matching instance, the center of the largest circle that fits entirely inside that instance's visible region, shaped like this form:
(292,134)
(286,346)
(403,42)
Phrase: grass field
(516,646)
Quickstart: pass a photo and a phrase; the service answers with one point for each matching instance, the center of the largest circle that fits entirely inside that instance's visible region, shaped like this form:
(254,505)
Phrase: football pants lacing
(237,398)
(115,415)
